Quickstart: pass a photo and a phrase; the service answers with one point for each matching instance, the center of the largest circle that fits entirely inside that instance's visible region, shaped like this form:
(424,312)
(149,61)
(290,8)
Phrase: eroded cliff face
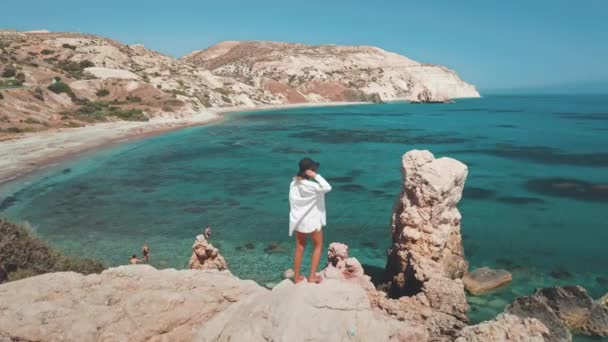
(305,73)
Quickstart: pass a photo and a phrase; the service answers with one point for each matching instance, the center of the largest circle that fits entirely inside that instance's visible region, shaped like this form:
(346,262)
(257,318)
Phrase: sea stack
(427,244)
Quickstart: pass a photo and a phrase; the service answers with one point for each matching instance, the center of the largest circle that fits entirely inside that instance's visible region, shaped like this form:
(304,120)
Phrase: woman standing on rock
(307,214)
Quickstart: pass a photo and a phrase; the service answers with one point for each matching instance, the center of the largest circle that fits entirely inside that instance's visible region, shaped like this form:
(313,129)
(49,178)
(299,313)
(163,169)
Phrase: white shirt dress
(307,204)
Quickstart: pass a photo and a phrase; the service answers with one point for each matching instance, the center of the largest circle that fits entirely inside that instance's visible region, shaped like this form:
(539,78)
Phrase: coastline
(34,151)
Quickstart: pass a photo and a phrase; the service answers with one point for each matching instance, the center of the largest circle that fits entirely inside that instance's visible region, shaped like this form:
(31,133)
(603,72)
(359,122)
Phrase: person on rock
(307,215)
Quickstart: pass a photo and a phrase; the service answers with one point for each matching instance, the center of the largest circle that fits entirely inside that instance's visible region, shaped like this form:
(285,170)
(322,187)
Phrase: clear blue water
(234,175)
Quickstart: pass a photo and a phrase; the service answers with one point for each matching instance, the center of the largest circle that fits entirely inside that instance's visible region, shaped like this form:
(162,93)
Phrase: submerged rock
(205,256)
(485,279)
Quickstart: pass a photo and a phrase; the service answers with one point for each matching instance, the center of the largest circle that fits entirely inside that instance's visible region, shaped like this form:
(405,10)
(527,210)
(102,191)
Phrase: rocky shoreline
(423,299)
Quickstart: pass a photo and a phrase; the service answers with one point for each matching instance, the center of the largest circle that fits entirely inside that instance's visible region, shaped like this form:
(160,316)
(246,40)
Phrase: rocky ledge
(422,300)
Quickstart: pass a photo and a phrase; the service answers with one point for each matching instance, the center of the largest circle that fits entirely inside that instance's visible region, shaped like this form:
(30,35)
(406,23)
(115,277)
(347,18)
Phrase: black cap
(307,164)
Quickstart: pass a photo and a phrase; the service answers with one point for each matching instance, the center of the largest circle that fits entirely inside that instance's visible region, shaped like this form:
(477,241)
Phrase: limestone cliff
(305,73)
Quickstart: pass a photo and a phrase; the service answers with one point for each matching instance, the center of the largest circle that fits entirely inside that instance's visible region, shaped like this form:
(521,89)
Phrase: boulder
(427,243)
(485,279)
(505,328)
(534,307)
(334,310)
(127,303)
(205,256)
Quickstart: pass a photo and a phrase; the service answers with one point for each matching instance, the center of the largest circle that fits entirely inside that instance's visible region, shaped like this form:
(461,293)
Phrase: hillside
(72,79)
(304,73)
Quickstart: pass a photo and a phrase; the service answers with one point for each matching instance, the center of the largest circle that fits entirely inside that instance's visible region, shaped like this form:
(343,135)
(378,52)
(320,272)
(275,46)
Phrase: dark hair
(306,164)
(133,256)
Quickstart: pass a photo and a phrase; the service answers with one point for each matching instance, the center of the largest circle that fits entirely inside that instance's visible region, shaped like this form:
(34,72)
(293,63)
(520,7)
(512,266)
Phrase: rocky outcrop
(427,255)
(577,310)
(505,328)
(335,310)
(533,307)
(426,96)
(342,267)
(127,303)
(205,256)
(563,309)
(140,303)
(485,279)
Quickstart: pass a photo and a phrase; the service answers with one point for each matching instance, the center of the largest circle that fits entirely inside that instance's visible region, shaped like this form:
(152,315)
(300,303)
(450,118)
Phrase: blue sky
(493,44)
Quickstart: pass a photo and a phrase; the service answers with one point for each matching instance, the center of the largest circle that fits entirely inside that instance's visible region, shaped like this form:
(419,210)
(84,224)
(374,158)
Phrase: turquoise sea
(536,198)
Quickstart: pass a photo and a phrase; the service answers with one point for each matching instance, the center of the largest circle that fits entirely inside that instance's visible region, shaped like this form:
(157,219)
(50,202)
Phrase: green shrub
(32,121)
(75,69)
(9,71)
(47,52)
(102,92)
(60,87)
(24,254)
(100,110)
(10,84)
(68,46)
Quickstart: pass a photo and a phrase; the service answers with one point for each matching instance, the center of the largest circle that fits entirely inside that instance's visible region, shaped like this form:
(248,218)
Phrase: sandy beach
(34,151)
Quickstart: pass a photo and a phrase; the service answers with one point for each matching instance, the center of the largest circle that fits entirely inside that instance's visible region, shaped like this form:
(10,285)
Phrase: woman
(145,250)
(307,215)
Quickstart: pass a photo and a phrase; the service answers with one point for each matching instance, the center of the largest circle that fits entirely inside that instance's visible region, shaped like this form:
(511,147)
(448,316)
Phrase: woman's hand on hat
(311,173)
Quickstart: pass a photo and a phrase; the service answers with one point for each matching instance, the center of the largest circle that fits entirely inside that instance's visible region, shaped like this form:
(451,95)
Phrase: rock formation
(205,256)
(127,303)
(427,97)
(427,254)
(485,279)
(342,267)
(533,307)
(335,310)
(505,328)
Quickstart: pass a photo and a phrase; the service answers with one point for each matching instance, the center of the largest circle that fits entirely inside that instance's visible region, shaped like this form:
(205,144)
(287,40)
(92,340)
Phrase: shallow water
(535,200)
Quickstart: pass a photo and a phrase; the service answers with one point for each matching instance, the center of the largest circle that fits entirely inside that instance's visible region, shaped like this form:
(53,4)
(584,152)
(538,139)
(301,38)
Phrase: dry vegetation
(23,254)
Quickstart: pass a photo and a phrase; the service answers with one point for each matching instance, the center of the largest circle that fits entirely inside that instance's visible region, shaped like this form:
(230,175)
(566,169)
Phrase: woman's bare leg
(297,257)
(317,239)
